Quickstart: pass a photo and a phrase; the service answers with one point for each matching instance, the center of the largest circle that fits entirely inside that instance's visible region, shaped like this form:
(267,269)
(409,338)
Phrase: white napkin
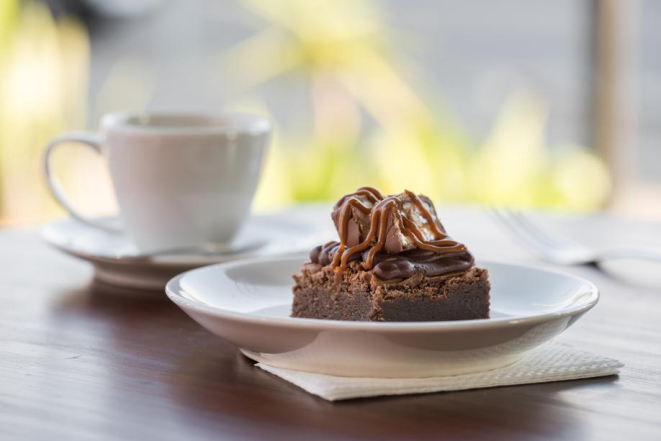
(550,362)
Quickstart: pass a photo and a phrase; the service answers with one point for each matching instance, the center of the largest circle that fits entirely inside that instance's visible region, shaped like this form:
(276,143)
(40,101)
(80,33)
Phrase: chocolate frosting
(396,236)
(359,215)
(403,265)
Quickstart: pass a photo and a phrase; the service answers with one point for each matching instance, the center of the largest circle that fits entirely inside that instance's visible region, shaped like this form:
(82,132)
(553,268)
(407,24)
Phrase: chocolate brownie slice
(394,262)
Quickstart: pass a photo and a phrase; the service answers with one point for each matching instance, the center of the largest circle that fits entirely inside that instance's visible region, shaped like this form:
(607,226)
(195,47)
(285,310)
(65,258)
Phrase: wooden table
(79,360)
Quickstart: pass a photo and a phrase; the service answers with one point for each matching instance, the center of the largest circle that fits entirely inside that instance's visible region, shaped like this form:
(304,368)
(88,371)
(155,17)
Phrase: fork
(559,250)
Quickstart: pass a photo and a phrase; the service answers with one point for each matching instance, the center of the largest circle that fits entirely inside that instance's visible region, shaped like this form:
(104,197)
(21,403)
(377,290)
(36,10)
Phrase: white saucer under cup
(113,254)
(248,303)
(180,180)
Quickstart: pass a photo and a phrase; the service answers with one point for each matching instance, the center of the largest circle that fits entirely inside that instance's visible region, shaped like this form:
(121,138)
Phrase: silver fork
(556,249)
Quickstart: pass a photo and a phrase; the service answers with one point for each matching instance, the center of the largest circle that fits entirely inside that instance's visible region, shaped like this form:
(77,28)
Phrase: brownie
(357,294)
(394,261)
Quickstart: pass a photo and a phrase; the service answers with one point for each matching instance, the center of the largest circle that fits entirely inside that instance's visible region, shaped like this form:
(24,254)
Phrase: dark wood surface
(79,360)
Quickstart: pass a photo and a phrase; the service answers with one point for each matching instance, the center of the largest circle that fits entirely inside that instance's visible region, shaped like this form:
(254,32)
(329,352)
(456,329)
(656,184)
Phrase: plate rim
(173,289)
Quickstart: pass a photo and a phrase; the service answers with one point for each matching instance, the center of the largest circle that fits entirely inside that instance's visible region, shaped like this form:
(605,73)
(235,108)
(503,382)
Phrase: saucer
(106,250)
(248,303)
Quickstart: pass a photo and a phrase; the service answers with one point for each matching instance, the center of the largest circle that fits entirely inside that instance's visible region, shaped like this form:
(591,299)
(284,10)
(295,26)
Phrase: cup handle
(89,139)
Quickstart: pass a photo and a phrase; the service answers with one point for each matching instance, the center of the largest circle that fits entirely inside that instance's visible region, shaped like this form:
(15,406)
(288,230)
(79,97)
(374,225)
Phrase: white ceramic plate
(248,303)
(261,236)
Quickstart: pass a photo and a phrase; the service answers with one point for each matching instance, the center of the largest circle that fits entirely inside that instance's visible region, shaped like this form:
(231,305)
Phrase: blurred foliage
(370,124)
(356,77)
(43,91)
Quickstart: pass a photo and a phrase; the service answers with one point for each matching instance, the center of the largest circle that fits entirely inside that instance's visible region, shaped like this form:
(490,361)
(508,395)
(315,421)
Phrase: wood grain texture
(79,360)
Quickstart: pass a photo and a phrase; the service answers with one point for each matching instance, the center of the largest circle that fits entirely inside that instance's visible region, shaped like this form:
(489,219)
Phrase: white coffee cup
(180,180)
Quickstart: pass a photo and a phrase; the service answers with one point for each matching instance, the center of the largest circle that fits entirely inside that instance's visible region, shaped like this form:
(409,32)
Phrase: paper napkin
(551,362)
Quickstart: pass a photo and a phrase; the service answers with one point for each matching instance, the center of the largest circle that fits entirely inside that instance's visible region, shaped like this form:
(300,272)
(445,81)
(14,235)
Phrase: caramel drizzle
(348,201)
(371,193)
(379,213)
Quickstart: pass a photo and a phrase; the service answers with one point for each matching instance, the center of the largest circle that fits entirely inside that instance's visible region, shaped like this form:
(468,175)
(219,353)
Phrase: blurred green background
(466,102)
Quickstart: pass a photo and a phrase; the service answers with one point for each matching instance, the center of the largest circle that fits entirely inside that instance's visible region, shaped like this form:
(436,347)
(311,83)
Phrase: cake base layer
(357,294)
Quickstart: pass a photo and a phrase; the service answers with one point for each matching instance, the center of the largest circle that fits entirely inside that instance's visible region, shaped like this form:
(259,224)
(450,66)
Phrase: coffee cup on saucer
(181,180)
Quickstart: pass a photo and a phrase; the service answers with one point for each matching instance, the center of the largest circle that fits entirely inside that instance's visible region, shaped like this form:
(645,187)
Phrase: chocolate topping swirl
(387,210)
(397,236)
(402,265)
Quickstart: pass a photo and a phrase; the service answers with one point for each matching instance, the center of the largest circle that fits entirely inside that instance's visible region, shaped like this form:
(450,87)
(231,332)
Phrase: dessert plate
(248,303)
(110,253)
